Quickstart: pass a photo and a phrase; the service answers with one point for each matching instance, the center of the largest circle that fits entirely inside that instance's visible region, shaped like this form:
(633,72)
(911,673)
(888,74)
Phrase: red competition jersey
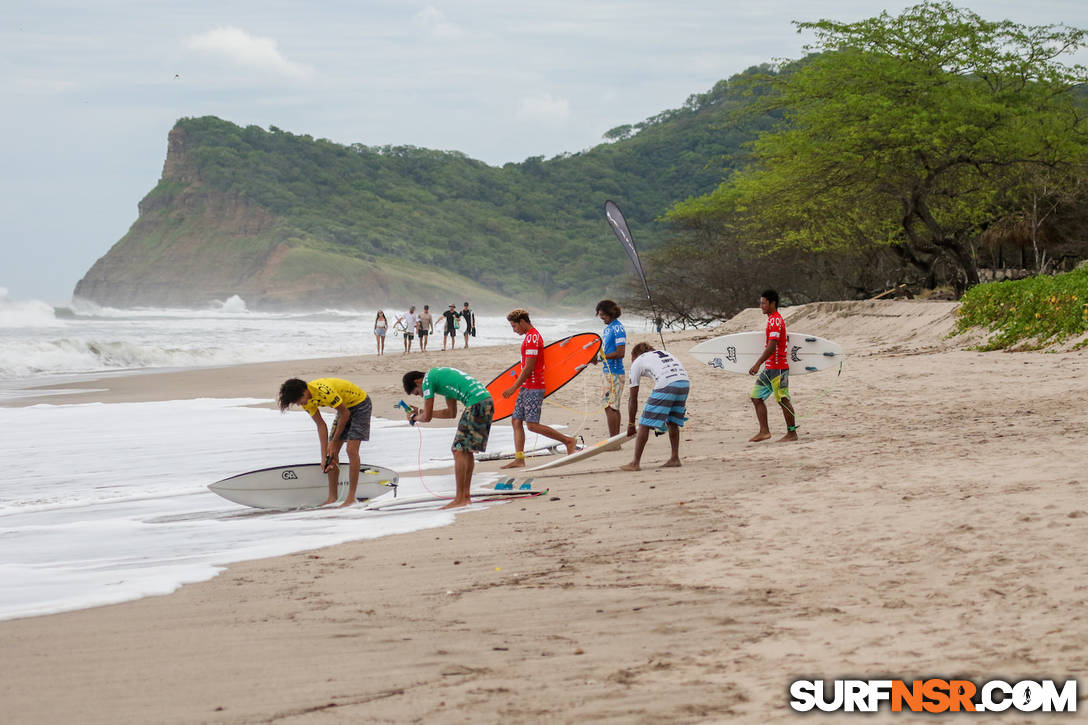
(533,347)
(776,330)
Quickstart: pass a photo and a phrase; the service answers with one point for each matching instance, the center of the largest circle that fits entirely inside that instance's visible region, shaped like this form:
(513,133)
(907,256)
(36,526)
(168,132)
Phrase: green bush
(1037,312)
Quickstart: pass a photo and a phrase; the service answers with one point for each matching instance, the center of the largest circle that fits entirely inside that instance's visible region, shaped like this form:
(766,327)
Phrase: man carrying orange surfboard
(530,390)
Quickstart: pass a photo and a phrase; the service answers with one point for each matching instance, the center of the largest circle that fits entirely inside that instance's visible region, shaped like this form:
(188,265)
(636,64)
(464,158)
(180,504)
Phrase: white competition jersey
(659,365)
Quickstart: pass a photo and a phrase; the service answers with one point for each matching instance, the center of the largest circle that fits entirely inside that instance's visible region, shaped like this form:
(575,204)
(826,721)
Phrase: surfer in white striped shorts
(665,407)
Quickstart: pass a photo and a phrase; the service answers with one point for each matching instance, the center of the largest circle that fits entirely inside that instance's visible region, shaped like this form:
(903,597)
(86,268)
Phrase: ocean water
(42,344)
(104,503)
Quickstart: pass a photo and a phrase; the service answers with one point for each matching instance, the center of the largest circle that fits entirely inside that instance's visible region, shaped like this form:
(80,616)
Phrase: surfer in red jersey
(529,388)
(775,377)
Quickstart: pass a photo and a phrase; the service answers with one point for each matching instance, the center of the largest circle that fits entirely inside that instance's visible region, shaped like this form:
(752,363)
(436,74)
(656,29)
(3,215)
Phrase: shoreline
(923,525)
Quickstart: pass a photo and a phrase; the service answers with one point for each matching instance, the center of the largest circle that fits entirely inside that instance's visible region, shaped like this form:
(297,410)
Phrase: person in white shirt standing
(411,322)
(666,405)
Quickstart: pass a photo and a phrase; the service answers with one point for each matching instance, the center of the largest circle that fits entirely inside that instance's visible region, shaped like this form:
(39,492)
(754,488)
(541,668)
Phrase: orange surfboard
(563,360)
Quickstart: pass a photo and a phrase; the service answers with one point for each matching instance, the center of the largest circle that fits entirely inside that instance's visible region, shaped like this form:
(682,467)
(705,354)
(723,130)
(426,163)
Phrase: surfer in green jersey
(473,428)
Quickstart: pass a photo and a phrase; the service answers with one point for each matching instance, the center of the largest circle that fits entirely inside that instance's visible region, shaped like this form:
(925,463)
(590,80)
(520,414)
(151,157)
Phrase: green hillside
(291,220)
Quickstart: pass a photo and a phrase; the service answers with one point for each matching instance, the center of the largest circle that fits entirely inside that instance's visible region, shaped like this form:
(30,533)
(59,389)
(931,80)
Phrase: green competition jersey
(452,383)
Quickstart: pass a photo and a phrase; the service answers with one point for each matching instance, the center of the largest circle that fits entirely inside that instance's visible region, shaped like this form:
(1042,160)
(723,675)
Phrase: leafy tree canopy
(915,132)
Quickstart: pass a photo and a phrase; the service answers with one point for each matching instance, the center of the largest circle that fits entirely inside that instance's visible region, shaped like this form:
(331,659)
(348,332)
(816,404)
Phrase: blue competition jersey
(614,336)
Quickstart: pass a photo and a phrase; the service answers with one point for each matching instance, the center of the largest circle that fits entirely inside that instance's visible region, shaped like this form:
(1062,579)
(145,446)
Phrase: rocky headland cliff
(288,221)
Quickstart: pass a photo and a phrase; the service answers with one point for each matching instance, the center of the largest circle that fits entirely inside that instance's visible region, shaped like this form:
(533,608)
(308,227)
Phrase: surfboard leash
(419,467)
(827,391)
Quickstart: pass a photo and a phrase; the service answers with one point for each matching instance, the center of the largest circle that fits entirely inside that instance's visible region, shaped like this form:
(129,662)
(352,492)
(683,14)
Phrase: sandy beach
(929,522)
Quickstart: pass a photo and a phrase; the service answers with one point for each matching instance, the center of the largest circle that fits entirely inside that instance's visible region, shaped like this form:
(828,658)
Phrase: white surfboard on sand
(737,353)
(444,497)
(301,486)
(608,444)
(547,450)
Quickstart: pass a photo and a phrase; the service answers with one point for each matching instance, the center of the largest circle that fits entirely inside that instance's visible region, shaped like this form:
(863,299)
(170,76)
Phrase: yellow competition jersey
(331,392)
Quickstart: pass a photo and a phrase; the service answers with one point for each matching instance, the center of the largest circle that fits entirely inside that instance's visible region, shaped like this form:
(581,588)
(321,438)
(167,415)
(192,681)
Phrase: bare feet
(456,504)
(630,467)
(516,463)
(327,502)
(760,436)
(671,463)
(346,503)
(791,436)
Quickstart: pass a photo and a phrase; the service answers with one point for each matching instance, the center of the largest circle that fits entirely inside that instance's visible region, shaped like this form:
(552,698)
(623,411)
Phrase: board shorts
(451,333)
(612,390)
(422,334)
(474,427)
(529,404)
(776,382)
(409,336)
(667,405)
(358,427)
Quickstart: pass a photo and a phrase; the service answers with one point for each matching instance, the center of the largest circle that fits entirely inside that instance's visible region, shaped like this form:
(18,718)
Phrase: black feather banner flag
(619,225)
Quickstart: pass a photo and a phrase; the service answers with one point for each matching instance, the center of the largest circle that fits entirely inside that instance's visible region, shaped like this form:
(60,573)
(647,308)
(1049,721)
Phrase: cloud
(435,23)
(239,47)
(544,108)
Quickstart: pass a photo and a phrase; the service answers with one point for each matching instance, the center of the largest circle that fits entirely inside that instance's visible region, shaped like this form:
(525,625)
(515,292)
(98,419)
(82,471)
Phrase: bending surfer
(665,407)
(472,430)
(530,390)
(775,377)
(353,408)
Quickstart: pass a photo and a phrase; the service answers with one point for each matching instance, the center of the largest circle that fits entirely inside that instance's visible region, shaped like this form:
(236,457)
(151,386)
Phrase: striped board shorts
(667,405)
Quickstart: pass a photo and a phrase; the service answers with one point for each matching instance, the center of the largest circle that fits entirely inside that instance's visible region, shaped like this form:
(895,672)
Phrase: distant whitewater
(39,341)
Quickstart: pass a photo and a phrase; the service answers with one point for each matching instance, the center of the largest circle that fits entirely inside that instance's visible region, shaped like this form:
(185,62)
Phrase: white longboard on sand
(547,450)
(737,353)
(608,444)
(443,497)
(301,486)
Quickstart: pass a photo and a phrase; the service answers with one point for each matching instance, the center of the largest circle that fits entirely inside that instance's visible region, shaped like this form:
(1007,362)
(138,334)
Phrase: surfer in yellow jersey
(775,377)
(353,409)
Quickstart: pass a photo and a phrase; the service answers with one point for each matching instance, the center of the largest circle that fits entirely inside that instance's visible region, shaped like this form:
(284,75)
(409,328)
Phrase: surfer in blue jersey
(666,406)
(613,348)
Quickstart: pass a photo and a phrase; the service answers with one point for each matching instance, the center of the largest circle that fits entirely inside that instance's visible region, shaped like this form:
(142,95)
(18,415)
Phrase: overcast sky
(92,87)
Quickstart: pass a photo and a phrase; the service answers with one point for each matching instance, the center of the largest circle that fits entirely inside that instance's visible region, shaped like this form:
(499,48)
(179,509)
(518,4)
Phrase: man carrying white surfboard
(666,407)
(353,408)
(410,320)
(472,430)
(775,377)
(530,390)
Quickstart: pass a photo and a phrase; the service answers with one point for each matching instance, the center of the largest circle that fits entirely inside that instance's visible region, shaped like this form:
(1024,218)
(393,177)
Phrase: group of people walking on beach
(665,409)
(411,325)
